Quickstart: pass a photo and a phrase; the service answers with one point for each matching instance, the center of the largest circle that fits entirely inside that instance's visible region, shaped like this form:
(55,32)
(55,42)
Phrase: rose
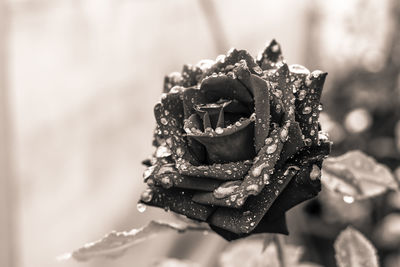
(238,142)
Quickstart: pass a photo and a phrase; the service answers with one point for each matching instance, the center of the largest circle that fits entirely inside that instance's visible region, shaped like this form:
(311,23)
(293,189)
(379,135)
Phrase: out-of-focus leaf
(249,252)
(387,234)
(115,244)
(352,249)
(355,176)
(175,263)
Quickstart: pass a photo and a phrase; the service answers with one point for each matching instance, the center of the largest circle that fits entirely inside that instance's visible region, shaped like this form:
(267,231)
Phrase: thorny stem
(280,249)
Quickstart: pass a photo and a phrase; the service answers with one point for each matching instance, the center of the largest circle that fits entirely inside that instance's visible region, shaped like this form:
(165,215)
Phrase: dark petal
(266,225)
(191,98)
(171,80)
(169,117)
(261,106)
(167,176)
(178,201)
(271,55)
(280,81)
(307,106)
(301,187)
(194,124)
(246,219)
(233,144)
(254,182)
(234,56)
(224,87)
(225,172)
(191,75)
(292,145)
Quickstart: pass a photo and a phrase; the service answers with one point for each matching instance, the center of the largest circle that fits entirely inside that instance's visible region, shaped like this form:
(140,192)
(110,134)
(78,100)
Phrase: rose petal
(271,55)
(227,171)
(220,148)
(225,87)
(167,176)
(190,75)
(171,80)
(169,117)
(301,188)
(246,219)
(262,110)
(228,62)
(178,201)
(254,182)
(307,106)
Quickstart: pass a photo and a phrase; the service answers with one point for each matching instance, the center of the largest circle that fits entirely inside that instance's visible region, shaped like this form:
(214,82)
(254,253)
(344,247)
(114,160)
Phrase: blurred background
(78,82)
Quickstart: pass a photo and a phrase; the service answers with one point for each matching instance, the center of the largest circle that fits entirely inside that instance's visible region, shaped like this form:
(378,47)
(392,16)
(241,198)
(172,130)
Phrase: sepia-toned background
(79,79)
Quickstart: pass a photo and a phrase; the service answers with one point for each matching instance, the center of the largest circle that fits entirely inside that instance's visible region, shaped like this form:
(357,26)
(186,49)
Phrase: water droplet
(226,189)
(228,172)
(276,192)
(257,70)
(238,124)
(257,170)
(164,121)
(271,149)
(163,152)
(302,94)
(266,178)
(166,112)
(180,152)
(320,108)
(147,195)
(252,189)
(240,201)
(166,182)
(141,207)
(348,199)
(307,142)
(268,141)
(275,48)
(219,130)
(315,172)
(252,224)
(284,134)
(307,110)
(278,93)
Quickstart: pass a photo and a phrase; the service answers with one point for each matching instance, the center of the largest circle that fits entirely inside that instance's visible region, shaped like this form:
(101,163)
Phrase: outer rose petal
(271,56)
(178,201)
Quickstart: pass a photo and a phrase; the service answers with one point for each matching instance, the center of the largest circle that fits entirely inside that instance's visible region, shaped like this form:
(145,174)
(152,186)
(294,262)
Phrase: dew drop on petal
(271,149)
(307,110)
(348,199)
(141,207)
(284,134)
(226,189)
(228,172)
(164,121)
(266,178)
(268,141)
(252,189)
(302,94)
(147,195)
(219,130)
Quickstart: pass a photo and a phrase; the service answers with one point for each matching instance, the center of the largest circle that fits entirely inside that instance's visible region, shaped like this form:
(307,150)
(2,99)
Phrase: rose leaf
(115,244)
(355,175)
(352,249)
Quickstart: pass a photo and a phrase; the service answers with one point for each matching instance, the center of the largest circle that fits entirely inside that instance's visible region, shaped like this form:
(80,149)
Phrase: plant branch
(280,249)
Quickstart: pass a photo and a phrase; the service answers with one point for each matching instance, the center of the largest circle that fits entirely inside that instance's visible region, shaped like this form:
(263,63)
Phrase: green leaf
(356,176)
(115,243)
(352,249)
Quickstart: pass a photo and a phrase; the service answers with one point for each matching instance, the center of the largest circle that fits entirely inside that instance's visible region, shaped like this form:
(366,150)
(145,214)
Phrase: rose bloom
(238,142)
